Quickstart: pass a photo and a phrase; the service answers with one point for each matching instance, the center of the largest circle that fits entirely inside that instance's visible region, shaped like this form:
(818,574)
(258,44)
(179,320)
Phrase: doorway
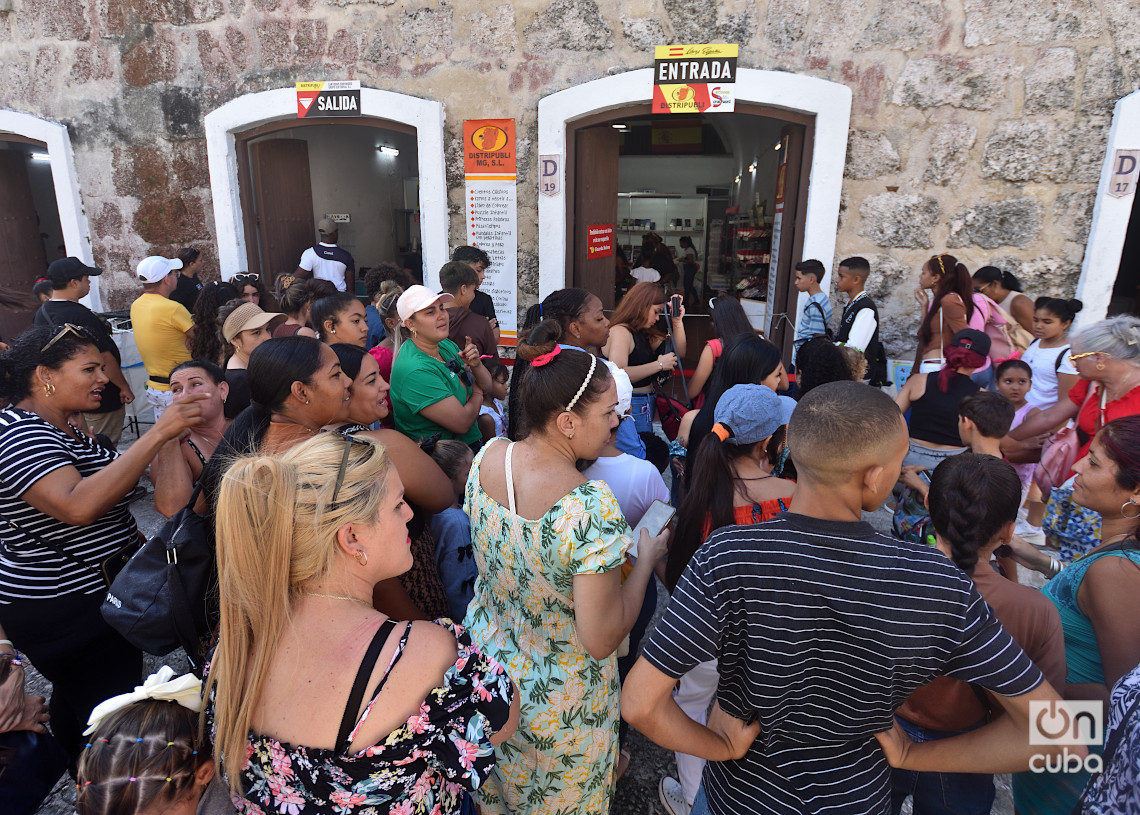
(1126,289)
(30,232)
(363,176)
(723,187)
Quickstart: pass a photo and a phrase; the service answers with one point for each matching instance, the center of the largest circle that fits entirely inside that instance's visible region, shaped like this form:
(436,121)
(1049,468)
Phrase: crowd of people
(430,595)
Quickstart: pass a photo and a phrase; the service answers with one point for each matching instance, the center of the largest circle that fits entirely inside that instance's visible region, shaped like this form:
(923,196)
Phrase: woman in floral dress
(303,539)
(549,602)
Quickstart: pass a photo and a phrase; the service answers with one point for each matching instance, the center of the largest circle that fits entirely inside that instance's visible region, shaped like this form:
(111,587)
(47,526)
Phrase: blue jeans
(700,803)
(940,793)
(641,409)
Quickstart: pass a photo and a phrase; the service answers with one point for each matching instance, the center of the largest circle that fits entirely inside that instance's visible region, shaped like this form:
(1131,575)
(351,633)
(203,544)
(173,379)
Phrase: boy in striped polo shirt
(823,627)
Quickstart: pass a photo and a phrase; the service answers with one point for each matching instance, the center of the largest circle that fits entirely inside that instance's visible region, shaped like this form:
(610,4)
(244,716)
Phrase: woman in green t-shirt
(436,388)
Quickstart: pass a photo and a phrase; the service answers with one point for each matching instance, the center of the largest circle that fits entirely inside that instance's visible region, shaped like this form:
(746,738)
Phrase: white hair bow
(186,690)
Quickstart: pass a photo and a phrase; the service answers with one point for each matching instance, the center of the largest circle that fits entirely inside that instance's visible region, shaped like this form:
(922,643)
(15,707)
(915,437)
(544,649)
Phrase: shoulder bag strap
(356,695)
(55,548)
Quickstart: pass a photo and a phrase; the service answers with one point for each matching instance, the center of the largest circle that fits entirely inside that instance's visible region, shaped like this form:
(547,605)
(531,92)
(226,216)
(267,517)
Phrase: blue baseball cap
(748,414)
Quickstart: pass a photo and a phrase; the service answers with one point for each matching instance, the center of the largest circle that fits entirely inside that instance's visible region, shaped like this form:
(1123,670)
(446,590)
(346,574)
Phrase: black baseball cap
(63,271)
(972,339)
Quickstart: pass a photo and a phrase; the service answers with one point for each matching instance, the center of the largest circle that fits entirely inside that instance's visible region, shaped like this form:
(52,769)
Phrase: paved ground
(636,793)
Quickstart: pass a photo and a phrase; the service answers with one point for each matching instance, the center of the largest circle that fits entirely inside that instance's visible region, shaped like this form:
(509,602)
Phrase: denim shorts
(641,409)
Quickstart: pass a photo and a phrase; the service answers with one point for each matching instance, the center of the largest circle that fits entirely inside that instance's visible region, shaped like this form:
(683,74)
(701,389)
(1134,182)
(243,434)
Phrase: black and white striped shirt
(30,449)
(823,629)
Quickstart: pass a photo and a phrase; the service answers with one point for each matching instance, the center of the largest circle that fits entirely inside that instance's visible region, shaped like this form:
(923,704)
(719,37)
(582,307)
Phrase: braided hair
(972,497)
(143,757)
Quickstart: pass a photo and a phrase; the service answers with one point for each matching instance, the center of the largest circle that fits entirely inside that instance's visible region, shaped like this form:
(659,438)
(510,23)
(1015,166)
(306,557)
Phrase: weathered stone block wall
(978,126)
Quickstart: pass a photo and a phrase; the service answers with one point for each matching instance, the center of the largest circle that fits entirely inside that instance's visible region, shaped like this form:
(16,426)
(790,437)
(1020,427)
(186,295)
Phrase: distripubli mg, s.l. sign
(694,78)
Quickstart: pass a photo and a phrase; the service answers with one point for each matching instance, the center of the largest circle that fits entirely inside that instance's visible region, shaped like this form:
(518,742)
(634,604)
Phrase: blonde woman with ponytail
(302,540)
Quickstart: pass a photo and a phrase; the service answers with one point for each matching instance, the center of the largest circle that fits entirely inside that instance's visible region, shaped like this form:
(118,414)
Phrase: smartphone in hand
(656,518)
(675,306)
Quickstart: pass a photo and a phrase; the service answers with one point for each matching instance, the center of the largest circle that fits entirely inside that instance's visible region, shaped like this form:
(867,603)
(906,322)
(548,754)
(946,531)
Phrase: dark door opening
(1126,291)
(30,231)
(362,175)
(732,184)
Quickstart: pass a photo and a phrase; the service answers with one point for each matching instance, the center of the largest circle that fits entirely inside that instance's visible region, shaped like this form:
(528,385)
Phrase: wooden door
(595,203)
(22,258)
(284,200)
(791,238)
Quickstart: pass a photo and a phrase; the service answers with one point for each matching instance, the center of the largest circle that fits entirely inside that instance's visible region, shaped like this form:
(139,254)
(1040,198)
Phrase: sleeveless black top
(934,417)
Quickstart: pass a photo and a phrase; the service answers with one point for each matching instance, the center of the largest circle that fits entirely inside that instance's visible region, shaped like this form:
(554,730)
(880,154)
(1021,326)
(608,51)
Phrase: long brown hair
(277,525)
(953,277)
(631,310)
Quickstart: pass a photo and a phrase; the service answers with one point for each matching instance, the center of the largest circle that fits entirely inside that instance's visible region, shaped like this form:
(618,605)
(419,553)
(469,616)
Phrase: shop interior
(30,231)
(364,178)
(1126,291)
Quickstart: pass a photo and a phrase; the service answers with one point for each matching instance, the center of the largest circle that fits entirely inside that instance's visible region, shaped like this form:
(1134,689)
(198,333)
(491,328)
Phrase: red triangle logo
(305,101)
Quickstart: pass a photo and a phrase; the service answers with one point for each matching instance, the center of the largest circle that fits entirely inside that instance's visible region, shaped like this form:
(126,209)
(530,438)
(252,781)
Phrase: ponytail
(957,357)
(709,501)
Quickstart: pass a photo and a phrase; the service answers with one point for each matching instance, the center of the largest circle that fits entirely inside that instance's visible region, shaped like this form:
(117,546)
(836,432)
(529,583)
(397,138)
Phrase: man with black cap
(327,261)
(71,280)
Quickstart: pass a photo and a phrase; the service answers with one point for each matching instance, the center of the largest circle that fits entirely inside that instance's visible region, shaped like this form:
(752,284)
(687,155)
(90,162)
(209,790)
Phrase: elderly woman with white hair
(1107,358)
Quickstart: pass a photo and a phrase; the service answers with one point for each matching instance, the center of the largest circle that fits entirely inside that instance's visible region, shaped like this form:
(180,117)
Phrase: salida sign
(694,78)
(338,98)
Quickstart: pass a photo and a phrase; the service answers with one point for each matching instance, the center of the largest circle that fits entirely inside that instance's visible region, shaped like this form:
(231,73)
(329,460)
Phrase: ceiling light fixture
(388,151)
(39,157)
(779,144)
(621,126)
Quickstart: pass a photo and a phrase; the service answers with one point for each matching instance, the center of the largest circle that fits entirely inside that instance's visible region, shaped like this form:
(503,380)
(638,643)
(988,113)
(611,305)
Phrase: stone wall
(978,126)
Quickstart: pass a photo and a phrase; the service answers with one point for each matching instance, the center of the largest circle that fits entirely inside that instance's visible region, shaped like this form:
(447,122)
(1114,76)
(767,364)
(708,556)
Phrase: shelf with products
(746,253)
(669,215)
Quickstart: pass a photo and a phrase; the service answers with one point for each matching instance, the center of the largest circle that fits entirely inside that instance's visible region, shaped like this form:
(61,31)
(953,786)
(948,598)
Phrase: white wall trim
(224,124)
(829,102)
(72,216)
(1110,218)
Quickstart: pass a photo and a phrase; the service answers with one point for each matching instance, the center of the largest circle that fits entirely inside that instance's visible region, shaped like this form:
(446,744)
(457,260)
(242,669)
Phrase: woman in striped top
(64,501)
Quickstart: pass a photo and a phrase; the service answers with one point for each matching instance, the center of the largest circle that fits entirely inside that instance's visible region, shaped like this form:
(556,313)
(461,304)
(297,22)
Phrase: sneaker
(672,798)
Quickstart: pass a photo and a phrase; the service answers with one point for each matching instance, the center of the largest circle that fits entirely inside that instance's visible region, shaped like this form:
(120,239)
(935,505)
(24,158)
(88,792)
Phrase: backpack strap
(1060,357)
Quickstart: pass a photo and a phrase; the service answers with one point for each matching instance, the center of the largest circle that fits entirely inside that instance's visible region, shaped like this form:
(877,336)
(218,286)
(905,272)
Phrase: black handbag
(159,601)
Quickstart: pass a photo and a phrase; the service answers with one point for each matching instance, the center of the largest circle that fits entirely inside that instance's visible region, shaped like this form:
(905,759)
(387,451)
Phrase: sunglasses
(250,277)
(1075,357)
(456,367)
(349,440)
(67,328)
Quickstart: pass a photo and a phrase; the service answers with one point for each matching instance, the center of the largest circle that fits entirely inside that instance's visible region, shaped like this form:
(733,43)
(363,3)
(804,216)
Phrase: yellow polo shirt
(160,325)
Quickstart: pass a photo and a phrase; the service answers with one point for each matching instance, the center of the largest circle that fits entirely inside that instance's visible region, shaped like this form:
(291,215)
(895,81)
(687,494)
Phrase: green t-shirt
(418,381)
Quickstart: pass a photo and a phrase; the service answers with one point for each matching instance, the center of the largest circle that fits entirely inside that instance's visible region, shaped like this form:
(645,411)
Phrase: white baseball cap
(417,298)
(154,268)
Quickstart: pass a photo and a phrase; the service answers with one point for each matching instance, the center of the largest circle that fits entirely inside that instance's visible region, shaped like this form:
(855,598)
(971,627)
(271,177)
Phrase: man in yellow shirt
(162,328)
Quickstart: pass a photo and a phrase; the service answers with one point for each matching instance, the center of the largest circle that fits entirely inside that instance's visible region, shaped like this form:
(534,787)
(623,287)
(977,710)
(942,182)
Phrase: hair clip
(194,753)
(132,779)
(88,744)
(138,741)
(105,741)
(170,744)
(168,778)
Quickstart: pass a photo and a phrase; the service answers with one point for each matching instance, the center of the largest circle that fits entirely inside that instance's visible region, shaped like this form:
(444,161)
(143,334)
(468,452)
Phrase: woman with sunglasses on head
(65,504)
(436,387)
(428,489)
(549,599)
(304,538)
(1098,596)
(251,289)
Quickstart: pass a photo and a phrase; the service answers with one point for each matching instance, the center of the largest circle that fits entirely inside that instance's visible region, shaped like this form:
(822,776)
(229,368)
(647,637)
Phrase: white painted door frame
(828,102)
(1110,218)
(72,217)
(225,124)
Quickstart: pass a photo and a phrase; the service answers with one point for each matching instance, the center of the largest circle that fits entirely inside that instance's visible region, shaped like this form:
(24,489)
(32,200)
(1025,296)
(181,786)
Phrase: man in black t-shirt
(482,305)
(71,279)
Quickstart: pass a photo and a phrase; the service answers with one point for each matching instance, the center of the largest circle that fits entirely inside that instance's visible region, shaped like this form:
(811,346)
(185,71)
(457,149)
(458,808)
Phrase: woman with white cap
(244,327)
(436,387)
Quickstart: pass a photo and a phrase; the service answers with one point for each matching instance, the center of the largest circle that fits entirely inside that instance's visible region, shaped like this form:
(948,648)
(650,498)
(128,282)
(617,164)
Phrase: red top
(1090,420)
(753,513)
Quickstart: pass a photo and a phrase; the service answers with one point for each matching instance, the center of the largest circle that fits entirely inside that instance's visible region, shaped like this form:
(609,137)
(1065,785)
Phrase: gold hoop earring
(49,390)
(361,557)
(1130,517)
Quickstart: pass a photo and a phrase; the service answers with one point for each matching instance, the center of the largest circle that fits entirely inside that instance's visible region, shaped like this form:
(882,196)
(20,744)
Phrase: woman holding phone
(637,344)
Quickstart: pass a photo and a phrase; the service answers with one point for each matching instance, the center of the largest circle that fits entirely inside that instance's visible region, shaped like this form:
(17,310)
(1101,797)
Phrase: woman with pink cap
(436,387)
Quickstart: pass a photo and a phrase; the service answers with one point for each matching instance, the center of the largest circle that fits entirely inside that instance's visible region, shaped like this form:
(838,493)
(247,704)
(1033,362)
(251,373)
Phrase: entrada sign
(338,98)
(694,78)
